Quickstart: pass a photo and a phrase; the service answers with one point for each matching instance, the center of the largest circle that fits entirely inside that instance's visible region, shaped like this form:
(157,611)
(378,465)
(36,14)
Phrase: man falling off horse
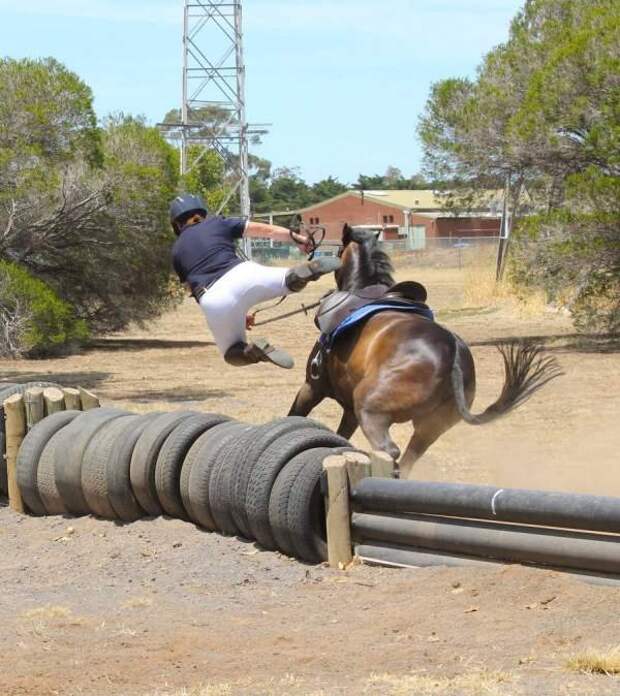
(225,286)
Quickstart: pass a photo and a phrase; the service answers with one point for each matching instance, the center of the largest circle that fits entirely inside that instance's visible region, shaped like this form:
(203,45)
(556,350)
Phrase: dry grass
(48,612)
(138,602)
(470,286)
(473,287)
(45,621)
(597,662)
(280,686)
(480,289)
(481,683)
(208,690)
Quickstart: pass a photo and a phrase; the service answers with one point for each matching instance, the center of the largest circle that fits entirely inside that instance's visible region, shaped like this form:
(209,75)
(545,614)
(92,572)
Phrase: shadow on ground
(176,395)
(464,312)
(87,380)
(136,344)
(562,343)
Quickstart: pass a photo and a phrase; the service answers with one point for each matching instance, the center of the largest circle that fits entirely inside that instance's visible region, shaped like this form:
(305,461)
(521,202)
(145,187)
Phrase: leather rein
(316,237)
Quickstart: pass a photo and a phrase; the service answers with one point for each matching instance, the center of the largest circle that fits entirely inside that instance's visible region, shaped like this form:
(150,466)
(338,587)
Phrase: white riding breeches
(227,302)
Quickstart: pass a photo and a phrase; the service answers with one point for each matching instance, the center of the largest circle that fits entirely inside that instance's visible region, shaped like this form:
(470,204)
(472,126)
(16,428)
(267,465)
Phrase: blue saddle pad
(360,315)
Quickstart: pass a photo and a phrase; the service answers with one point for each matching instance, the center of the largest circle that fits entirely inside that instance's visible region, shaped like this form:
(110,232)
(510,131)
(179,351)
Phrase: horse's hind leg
(376,428)
(426,431)
(307,398)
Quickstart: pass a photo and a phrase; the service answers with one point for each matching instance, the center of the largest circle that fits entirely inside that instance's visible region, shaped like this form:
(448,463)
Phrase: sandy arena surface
(160,608)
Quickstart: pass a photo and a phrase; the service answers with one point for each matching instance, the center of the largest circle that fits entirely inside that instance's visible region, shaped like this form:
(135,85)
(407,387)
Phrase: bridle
(315,234)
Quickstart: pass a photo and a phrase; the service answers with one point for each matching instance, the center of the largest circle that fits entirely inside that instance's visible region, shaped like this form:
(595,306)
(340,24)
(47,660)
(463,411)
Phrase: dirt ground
(160,608)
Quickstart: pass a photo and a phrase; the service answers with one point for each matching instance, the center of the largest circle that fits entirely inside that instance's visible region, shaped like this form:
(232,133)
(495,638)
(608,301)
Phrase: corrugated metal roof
(407,198)
(423,200)
(426,199)
(415,199)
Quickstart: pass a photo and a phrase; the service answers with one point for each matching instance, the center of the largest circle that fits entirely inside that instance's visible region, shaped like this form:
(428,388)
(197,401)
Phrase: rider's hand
(303,241)
(250,320)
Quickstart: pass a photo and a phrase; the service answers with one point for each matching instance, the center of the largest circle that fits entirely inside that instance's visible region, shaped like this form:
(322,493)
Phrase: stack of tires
(260,482)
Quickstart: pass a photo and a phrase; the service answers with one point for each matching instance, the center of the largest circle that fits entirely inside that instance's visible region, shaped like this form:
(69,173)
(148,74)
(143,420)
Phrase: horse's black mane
(374,267)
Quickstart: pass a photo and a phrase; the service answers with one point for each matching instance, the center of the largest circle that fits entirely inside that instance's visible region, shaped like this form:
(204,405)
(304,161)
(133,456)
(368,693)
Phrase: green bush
(573,253)
(34,321)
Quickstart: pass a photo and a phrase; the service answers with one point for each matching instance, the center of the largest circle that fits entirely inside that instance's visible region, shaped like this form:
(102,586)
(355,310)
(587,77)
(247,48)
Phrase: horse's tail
(526,371)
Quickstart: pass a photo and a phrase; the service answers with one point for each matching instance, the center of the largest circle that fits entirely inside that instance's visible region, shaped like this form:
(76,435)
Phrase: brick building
(405,214)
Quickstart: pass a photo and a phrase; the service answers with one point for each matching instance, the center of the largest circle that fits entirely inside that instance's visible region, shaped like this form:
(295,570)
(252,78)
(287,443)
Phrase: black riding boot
(239,355)
(260,350)
(299,276)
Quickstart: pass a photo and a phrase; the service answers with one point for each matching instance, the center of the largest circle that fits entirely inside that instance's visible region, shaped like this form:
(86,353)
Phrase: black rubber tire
(29,453)
(144,458)
(280,494)
(220,485)
(198,450)
(171,456)
(8,389)
(94,463)
(120,493)
(200,474)
(306,514)
(70,451)
(46,477)
(267,468)
(242,470)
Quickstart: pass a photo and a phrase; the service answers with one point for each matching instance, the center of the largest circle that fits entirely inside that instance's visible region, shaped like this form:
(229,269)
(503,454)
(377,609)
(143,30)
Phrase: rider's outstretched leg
(226,303)
(299,276)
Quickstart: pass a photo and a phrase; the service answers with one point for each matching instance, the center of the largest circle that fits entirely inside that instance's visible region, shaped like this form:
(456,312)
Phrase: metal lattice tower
(213,111)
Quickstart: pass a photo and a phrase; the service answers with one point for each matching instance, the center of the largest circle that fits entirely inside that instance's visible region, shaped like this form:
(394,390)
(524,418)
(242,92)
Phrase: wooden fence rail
(23,411)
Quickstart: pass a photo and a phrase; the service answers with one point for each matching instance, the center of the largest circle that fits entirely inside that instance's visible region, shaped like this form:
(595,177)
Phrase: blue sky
(342,82)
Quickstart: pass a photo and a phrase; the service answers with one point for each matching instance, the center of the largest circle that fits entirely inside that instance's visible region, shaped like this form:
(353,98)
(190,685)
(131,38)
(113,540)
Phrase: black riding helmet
(185,204)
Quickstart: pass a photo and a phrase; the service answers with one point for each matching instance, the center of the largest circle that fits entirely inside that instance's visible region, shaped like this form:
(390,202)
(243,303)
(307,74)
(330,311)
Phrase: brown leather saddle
(336,306)
(408,290)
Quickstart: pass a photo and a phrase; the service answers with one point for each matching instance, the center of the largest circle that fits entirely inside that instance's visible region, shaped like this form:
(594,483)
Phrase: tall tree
(205,176)
(82,208)
(260,178)
(543,115)
(288,190)
(327,188)
(392,179)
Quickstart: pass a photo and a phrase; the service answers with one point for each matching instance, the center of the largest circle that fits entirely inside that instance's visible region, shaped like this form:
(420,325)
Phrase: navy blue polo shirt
(203,253)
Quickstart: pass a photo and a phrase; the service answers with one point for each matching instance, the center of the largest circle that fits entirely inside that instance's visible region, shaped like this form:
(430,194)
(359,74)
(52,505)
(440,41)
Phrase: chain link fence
(444,252)
(434,252)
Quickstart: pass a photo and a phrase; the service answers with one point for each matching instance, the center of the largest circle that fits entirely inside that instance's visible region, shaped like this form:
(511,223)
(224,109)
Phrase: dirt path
(160,608)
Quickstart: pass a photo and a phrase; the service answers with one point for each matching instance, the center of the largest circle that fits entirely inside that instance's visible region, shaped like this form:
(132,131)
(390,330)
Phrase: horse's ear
(377,235)
(347,233)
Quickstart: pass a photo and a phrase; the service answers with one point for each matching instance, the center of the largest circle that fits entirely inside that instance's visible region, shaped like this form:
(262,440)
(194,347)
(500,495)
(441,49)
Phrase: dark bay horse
(398,367)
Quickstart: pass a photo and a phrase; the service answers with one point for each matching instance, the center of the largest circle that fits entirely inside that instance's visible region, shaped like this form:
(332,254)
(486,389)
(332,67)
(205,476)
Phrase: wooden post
(381,464)
(358,467)
(88,400)
(338,516)
(72,399)
(15,424)
(34,406)
(54,400)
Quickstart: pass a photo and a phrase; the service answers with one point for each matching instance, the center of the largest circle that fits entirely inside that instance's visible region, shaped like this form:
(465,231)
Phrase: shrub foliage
(83,207)
(33,320)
